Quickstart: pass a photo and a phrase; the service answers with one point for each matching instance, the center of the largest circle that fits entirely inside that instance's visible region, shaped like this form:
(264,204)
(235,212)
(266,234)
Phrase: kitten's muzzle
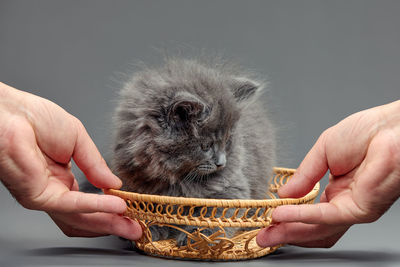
(220,160)
(216,164)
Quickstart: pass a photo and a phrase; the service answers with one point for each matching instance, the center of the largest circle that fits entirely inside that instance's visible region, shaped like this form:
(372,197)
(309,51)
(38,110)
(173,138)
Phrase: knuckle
(284,230)
(98,204)
(322,139)
(113,226)
(78,124)
(326,135)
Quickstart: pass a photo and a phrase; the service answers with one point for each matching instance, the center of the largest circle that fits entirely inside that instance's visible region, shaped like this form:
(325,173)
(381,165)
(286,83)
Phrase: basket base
(167,249)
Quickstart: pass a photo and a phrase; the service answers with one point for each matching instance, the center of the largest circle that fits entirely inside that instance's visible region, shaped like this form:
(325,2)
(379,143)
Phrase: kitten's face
(214,155)
(200,139)
(206,155)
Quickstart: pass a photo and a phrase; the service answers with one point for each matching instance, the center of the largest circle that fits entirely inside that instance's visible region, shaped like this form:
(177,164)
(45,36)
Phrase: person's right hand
(362,153)
(38,139)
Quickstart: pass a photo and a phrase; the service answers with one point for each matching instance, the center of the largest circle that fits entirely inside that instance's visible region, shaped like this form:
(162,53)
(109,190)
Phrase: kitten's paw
(181,239)
(158,233)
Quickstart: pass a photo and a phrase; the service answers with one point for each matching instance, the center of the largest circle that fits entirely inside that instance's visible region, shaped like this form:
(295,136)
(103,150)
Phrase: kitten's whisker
(194,178)
(189,177)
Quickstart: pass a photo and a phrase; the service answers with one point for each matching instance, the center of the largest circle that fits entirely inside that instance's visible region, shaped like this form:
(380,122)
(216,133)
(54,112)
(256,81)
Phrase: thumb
(311,170)
(92,164)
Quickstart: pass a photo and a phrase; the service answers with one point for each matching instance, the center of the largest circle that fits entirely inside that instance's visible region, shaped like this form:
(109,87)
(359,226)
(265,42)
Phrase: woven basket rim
(208,202)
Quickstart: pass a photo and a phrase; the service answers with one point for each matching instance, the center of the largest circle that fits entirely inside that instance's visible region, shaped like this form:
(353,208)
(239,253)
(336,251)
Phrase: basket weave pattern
(217,214)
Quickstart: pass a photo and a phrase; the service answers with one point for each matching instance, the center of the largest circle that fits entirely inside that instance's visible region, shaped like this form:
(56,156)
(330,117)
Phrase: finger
(310,171)
(321,213)
(326,242)
(75,186)
(62,172)
(90,161)
(98,224)
(75,201)
(322,198)
(297,234)
(70,231)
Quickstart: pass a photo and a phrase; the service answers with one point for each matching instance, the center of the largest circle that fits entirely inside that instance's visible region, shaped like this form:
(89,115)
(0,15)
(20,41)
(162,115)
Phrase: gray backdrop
(324,60)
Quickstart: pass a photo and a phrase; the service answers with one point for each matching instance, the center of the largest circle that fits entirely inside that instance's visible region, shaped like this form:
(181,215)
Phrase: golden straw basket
(168,211)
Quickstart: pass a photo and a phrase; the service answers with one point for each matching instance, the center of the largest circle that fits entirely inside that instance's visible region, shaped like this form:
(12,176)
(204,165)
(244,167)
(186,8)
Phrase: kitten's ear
(186,109)
(244,89)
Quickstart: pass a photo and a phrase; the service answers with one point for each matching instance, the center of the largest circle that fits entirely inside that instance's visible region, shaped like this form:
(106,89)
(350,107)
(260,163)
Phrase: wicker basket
(169,212)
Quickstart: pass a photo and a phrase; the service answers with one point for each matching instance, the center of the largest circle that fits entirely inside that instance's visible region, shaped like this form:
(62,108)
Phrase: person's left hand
(38,139)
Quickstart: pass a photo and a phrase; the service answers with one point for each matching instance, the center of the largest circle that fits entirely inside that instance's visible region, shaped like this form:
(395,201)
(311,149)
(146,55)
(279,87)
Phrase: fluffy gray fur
(193,129)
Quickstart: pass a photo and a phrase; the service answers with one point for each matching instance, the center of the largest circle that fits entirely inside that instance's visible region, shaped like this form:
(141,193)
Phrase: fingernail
(261,238)
(135,229)
(117,181)
(283,191)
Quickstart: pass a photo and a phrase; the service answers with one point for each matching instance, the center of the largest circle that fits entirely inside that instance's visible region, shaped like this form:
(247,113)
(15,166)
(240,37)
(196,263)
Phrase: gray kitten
(195,130)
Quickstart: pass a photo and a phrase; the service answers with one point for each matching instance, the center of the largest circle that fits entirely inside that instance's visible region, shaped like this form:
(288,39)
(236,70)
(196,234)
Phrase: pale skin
(38,140)
(362,154)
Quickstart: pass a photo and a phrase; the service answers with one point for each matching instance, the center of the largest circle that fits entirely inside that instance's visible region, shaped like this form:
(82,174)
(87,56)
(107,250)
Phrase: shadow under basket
(246,216)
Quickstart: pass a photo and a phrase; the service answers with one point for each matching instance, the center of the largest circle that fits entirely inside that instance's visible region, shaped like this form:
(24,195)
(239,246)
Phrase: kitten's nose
(221,160)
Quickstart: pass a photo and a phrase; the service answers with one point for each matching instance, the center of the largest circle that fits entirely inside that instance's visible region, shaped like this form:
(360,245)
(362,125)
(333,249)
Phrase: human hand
(37,141)
(362,153)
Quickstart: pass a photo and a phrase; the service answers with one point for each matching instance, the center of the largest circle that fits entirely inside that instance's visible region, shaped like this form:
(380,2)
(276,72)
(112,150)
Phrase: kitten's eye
(206,146)
(228,142)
